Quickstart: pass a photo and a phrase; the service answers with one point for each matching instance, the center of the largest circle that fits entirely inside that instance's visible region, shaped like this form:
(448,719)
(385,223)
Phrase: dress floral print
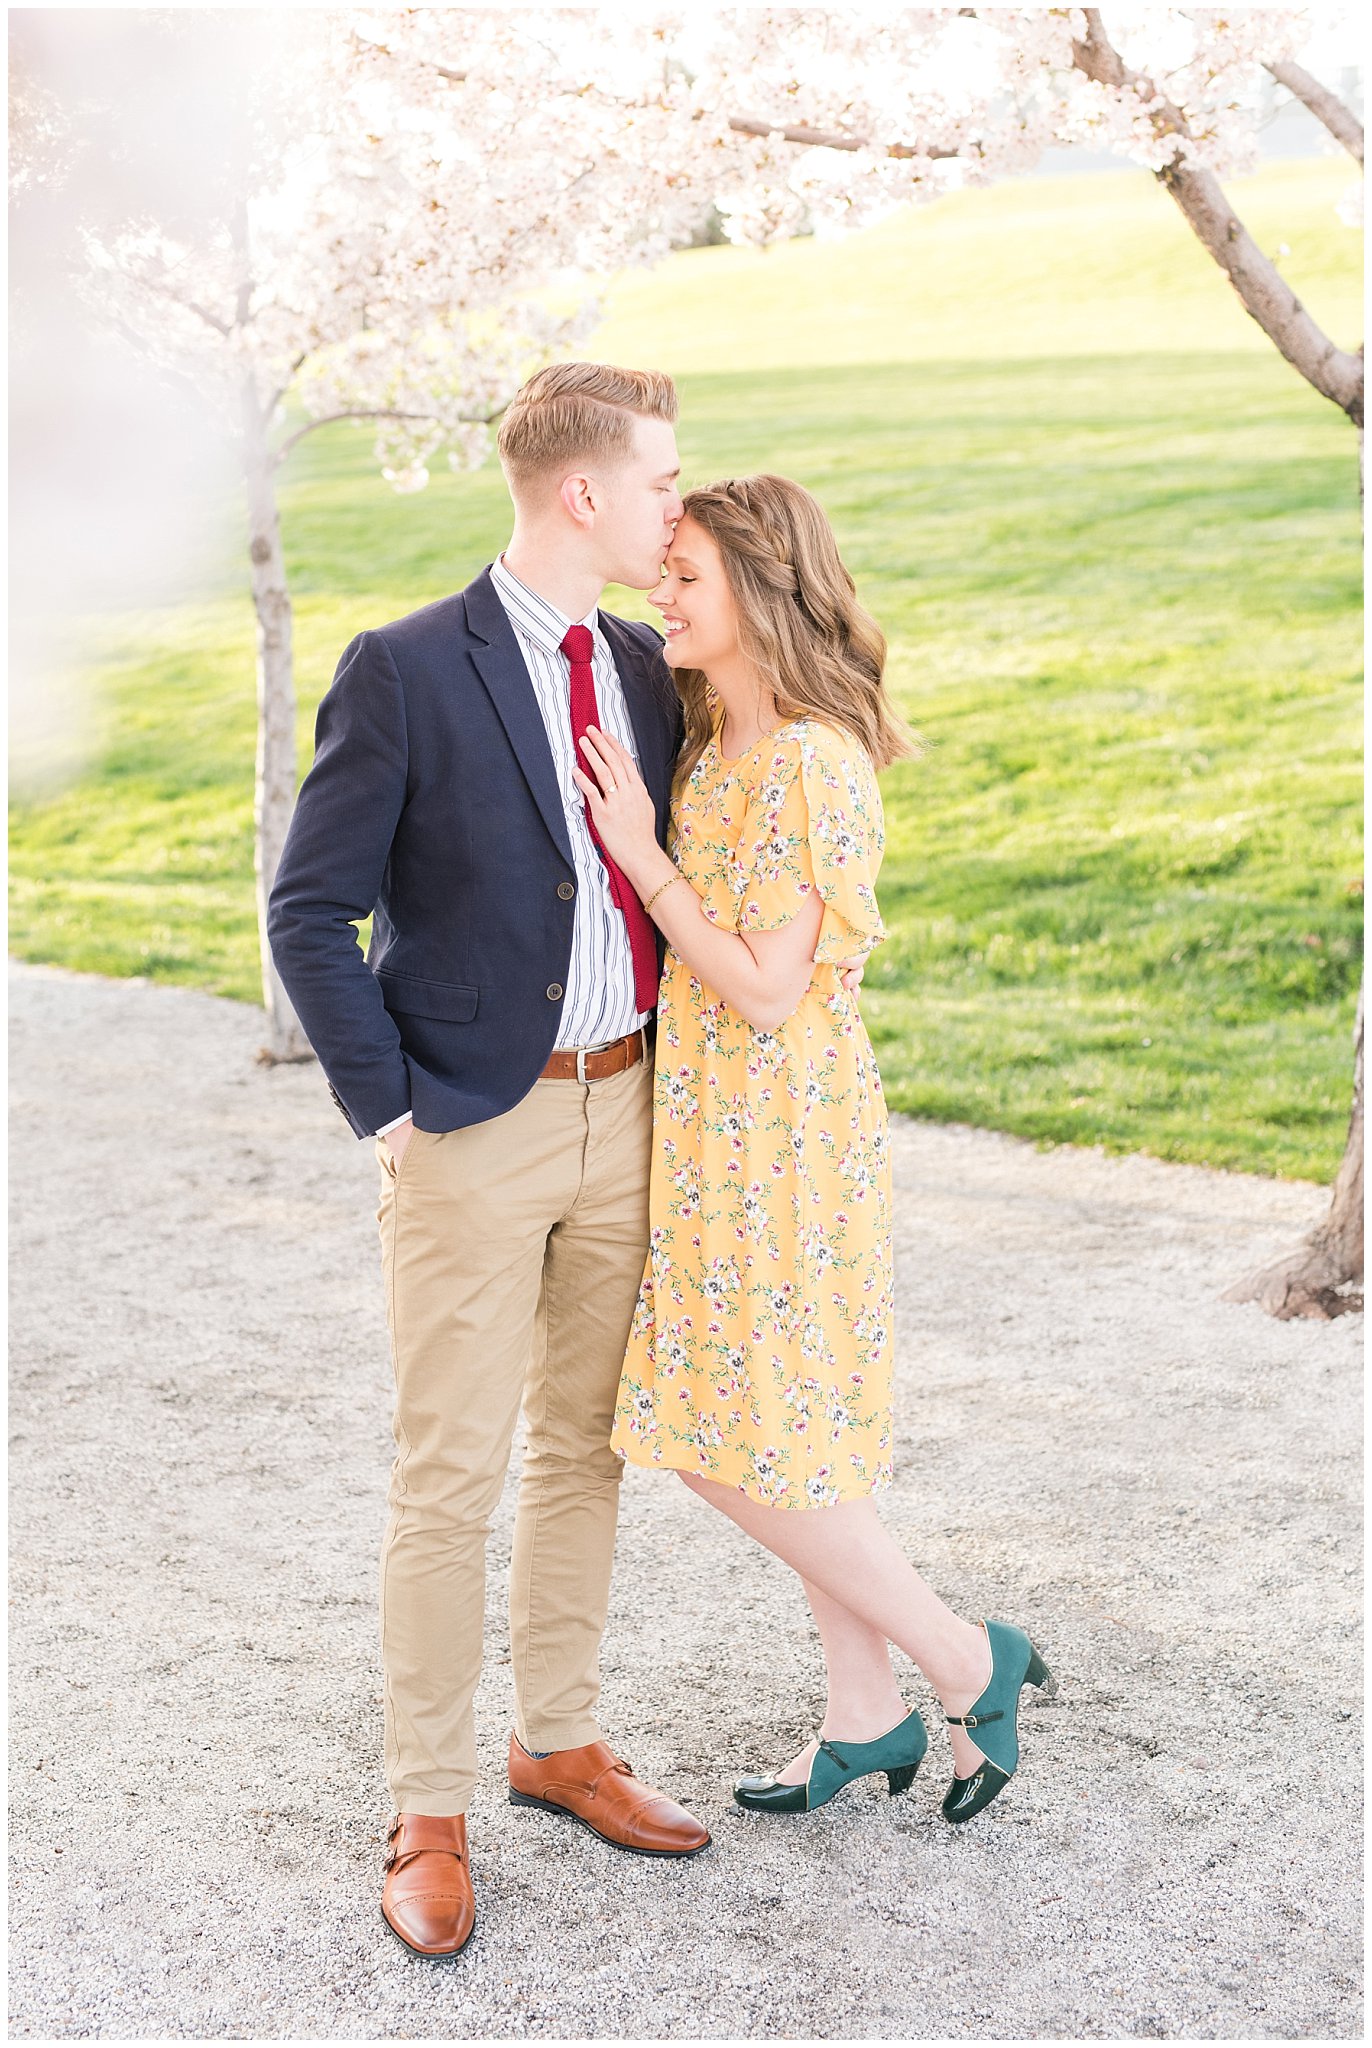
(761,1348)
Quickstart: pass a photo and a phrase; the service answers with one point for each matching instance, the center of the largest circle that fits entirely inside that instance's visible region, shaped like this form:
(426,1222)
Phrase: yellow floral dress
(761,1348)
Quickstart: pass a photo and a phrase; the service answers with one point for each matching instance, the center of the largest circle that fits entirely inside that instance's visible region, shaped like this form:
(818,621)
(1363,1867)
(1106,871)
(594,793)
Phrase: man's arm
(330,876)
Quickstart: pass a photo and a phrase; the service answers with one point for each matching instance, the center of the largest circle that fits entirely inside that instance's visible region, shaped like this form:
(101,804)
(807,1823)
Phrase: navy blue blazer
(433,805)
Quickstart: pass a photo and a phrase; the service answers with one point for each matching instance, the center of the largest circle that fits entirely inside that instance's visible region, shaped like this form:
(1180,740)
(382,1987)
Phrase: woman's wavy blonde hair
(799,621)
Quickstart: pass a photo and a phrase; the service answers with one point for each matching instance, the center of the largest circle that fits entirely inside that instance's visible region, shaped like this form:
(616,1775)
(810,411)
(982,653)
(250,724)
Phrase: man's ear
(578,499)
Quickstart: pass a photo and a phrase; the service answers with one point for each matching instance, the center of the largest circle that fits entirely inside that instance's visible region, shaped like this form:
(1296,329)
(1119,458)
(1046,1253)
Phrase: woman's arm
(762,975)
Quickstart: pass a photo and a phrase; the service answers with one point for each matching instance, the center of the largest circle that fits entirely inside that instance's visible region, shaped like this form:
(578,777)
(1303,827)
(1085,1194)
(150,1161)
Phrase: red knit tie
(577,645)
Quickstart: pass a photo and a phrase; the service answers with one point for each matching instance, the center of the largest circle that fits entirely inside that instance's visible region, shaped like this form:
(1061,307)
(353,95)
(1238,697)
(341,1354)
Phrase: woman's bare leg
(864,1700)
(848,1554)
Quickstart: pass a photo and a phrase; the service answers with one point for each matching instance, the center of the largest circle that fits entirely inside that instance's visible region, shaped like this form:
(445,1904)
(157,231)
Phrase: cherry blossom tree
(397,223)
(882,108)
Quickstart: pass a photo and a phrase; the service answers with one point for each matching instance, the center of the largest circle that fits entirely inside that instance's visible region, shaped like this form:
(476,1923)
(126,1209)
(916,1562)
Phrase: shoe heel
(525,1799)
(1039,1674)
(901,1779)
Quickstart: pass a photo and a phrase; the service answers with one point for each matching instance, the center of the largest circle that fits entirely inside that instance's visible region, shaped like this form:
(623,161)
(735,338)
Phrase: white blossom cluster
(967,96)
(423,207)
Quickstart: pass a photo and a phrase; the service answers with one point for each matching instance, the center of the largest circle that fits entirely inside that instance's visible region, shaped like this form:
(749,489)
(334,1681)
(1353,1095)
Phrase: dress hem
(794,1507)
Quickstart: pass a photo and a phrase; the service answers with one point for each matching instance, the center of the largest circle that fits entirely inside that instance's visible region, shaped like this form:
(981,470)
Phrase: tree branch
(167,371)
(745,124)
(162,291)
(280,392)
(374,412)
(820,138)
(1342,123)
(1336,373)
(193,306)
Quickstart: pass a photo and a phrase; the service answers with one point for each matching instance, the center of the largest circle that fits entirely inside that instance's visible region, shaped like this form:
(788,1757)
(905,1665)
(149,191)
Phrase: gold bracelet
(675,876)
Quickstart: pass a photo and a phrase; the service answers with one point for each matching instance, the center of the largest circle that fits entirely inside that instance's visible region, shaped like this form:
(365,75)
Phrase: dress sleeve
(814,822)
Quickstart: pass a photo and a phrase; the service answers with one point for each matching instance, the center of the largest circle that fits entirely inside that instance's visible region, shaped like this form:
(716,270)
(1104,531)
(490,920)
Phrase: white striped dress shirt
(599,1003)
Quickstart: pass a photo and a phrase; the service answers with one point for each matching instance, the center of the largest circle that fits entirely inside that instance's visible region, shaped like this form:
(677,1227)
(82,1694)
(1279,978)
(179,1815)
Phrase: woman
(760,1358)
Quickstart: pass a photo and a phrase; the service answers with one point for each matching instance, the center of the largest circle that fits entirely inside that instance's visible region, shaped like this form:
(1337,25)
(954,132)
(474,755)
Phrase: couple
(531,798)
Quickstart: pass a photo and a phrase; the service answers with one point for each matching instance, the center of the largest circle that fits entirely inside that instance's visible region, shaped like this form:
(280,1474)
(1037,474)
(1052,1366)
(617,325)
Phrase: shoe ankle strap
(973,1720)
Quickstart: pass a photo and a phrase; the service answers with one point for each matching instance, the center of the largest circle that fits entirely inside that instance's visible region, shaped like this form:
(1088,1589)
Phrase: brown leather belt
(573,1064)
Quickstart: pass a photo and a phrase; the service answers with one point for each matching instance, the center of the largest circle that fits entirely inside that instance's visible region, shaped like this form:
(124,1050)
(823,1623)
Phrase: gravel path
(1161,1488)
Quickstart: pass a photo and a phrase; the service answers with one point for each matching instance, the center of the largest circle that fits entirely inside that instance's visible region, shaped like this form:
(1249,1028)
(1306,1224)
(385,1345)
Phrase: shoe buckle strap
(600,1776)
(420,1842)
(973,1720)
(399,1858)
(834,1756)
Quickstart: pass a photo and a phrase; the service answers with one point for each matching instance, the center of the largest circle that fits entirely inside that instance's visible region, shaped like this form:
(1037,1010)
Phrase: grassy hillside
(1113,541)
(1053,267)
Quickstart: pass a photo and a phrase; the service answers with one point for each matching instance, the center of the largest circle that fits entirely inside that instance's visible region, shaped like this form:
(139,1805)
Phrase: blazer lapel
(501,668)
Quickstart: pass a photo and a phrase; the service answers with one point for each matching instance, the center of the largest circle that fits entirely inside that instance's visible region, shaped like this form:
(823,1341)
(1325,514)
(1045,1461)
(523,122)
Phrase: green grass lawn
(1113,541)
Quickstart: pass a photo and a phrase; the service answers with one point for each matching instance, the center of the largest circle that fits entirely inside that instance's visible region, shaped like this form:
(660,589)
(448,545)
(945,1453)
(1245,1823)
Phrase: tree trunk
(1342,123)
(1306,1281)
(1336,373)
(274,787)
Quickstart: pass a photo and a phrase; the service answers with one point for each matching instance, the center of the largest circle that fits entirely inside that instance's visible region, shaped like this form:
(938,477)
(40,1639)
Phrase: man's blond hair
(574,413)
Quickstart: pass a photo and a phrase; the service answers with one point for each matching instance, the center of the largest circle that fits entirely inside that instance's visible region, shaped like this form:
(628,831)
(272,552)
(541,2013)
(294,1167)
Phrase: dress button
(554,991)
(566,890)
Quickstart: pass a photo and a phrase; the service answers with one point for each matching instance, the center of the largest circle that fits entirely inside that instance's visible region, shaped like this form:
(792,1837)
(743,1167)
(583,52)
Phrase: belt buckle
(585,1052)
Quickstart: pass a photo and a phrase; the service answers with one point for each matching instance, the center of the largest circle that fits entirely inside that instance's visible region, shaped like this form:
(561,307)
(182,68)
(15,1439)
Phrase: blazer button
(566,890)
(554,991)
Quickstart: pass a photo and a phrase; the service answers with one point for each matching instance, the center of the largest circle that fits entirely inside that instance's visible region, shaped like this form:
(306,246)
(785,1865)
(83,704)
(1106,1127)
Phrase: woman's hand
(621,809)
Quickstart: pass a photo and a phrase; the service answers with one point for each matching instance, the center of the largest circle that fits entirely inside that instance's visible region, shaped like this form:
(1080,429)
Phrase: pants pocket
(394,1169)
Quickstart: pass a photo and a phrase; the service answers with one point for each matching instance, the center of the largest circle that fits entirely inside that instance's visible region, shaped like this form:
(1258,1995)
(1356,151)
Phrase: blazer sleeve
(330,875)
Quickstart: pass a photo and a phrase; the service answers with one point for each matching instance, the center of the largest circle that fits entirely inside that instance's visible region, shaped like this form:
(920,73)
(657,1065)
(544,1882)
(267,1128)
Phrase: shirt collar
(538,620)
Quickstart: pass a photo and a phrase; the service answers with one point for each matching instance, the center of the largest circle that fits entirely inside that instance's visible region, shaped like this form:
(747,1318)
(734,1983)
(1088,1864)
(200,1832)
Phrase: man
(496,1041)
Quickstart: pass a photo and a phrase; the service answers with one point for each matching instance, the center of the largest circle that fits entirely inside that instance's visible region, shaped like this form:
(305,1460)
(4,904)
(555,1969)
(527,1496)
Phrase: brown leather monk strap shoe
(427,1898)
(597,1788)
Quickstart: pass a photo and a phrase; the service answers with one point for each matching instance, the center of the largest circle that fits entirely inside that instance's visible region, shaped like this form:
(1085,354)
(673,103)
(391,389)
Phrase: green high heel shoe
(994,1715)
(899,1753)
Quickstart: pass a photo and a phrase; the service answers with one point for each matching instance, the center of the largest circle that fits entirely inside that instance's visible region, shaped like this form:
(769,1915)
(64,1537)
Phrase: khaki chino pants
(512,1253)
